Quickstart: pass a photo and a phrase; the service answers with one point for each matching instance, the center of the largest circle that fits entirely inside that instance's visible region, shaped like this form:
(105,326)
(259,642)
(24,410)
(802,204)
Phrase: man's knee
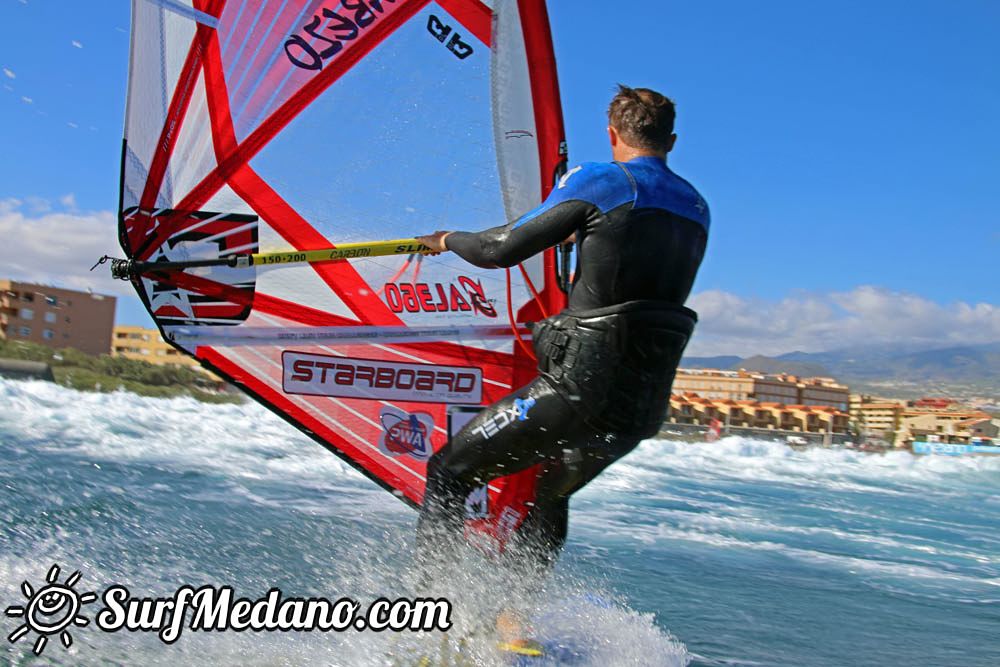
(442,465)
(448,477)
(576,468)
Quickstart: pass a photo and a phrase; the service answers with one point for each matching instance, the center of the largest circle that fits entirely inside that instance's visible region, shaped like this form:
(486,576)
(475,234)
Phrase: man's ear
(670,144)
(613,136)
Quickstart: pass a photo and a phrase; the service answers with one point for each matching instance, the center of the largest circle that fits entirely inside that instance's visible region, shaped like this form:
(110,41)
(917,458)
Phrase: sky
(849,152)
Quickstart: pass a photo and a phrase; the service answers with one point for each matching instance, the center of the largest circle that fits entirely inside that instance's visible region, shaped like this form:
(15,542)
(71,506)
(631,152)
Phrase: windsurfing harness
(616,365)
(266,143)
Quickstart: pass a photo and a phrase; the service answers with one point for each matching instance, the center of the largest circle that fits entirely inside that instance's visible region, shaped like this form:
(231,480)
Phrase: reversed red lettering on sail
(326,375)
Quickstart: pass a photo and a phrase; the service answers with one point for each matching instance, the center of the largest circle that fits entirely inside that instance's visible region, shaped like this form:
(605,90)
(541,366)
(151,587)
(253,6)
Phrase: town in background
(59,318)
(706,403)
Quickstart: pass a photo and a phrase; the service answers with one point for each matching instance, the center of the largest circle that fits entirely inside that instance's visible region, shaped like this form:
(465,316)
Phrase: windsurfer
(607,362)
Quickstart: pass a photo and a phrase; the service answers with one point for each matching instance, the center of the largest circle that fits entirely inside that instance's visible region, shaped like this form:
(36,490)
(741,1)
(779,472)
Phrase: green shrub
(86,372)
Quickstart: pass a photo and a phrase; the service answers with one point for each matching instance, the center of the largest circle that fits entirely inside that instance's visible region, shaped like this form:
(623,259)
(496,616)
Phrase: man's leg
(534,550)
(527,427)
(543,533)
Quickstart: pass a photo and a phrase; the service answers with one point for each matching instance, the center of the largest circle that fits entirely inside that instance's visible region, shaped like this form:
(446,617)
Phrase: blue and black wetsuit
(606,363)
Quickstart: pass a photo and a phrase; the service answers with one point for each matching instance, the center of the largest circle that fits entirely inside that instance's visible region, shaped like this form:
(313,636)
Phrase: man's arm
(507,245)
(580,193)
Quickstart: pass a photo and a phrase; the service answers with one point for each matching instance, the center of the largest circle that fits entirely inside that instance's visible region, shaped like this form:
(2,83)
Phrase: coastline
(71,368)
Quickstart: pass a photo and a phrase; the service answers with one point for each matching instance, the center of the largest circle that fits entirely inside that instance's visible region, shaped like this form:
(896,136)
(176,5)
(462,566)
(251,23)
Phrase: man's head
(640,122)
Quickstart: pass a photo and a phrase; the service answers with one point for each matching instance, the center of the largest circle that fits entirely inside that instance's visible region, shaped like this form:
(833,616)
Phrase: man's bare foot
(510,626)
(511,630)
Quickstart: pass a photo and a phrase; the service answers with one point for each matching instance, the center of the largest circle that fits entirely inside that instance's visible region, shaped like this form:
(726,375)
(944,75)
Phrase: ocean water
(736,553)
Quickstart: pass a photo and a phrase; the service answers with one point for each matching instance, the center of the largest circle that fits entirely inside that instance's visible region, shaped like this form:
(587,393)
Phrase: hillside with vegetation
(85,372)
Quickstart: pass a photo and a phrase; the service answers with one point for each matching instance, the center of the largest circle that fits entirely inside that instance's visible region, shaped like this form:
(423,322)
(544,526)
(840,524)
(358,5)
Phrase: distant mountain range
(977,365)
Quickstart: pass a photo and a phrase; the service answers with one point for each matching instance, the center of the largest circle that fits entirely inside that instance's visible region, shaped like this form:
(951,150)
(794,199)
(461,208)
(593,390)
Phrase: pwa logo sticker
(468,296)
(406,433)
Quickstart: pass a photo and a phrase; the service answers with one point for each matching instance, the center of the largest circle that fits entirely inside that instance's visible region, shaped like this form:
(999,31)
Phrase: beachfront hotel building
(765,415)
(56,317)
(901,423)
(747,399)
(761,388)
(957,426)
(877,418)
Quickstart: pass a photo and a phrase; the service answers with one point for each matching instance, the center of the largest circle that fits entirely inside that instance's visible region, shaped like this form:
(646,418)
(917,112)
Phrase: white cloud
(27,100)
(9,73)
(72,124)
(730,324)
(68,201)
(58,247)
(77,44)
(37,204)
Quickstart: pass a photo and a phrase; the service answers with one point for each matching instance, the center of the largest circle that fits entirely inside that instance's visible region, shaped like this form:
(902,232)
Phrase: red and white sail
(294,125)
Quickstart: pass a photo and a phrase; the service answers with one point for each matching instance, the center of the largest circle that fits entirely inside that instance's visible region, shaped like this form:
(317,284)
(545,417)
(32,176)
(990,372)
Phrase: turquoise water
(735,553)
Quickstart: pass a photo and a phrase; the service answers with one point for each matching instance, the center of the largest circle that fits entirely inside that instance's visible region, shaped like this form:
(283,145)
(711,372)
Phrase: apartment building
(951,426)
(56,317)
(824,391)
(731,385)
(877,417)
(144,344)
(693,409)
(762,388)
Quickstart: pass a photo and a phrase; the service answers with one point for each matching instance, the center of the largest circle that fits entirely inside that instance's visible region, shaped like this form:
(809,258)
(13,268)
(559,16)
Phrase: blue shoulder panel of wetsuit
(602,184)
(658,187)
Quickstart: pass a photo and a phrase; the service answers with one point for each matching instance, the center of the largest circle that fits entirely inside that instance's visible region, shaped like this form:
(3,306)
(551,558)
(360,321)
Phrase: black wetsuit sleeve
(507,245)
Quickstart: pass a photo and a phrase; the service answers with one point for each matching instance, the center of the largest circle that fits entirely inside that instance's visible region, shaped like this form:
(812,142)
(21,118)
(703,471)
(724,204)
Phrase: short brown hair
(643,117)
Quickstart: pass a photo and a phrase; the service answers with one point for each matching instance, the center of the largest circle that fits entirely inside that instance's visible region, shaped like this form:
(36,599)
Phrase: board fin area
(524,647)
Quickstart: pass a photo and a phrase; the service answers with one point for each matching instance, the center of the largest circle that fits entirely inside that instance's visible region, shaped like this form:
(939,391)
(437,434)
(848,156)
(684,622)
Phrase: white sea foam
(748,497)
(885,520)
(248,440)
(246,452)
(243,440)
(840,469)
